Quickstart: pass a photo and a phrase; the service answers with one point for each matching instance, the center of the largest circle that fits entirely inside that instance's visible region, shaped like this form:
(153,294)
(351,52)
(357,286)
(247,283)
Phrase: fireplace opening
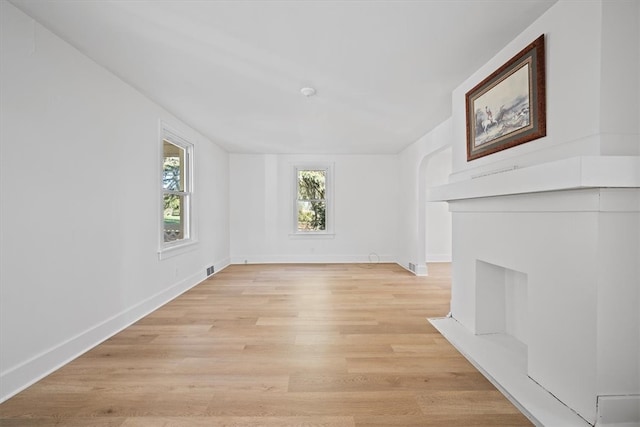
(501,301)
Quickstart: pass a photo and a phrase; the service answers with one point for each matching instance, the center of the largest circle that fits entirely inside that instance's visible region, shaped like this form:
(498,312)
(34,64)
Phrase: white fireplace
(546,234)
(546,284)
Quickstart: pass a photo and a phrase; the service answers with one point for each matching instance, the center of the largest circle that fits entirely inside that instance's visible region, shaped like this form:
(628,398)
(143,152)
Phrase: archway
(434,218)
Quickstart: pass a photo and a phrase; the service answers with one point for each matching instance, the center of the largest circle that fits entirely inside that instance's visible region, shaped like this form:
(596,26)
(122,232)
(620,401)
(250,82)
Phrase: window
(176,190)
(312,200)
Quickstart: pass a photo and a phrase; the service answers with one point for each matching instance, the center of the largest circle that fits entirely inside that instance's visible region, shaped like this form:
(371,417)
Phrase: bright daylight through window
(311,200)
(176,190)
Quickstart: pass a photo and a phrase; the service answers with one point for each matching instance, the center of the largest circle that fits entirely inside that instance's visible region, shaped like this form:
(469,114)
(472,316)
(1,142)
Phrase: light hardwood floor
(278,345)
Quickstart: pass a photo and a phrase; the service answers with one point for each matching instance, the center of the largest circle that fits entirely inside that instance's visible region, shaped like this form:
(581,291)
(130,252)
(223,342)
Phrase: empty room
(320,213)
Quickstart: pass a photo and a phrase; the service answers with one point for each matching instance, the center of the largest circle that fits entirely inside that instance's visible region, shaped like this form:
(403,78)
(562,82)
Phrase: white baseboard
(222,264)
(313,259)
(18,378)
(618,411)
(438,257)
(421,270)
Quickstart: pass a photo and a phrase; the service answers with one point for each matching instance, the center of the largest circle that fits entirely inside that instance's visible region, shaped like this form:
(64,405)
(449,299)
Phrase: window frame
(328,232)
(176,247)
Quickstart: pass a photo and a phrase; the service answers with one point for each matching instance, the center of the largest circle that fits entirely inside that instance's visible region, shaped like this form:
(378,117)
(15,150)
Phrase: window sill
(178,249)
(312,235)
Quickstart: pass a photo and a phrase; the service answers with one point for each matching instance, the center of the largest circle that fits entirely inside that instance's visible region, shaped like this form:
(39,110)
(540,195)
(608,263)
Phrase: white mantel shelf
(565,174)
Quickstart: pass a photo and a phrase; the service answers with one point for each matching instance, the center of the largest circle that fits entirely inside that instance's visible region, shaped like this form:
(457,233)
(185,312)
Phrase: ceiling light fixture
(308,91)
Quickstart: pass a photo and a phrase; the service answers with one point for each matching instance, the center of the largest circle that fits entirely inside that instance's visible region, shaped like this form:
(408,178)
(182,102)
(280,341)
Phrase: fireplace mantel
(566,174)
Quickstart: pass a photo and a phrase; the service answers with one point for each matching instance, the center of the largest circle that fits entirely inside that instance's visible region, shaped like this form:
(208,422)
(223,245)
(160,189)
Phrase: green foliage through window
(312,203)
(175,193)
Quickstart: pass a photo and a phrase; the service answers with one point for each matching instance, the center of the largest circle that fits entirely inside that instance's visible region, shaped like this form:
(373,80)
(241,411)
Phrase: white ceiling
(383,70)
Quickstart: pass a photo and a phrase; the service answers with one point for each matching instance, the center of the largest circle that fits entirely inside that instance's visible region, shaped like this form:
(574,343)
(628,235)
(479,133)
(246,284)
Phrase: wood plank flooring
(278,345)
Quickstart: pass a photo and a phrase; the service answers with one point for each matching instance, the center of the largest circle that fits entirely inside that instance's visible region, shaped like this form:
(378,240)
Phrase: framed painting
(508,108)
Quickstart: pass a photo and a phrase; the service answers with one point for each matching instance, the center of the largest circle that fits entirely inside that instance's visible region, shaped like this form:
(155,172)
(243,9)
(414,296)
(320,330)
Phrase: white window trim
(171,249)
(329,232)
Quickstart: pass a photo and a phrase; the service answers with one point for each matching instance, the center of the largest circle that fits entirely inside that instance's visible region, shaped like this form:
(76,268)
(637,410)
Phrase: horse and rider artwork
(510,99)
(508,107)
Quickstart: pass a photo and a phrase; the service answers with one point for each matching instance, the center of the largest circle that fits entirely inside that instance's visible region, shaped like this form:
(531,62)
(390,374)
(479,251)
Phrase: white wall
(80,199)
(412,194)
(365,216)
(591,87)
(437,215)
(619,83)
